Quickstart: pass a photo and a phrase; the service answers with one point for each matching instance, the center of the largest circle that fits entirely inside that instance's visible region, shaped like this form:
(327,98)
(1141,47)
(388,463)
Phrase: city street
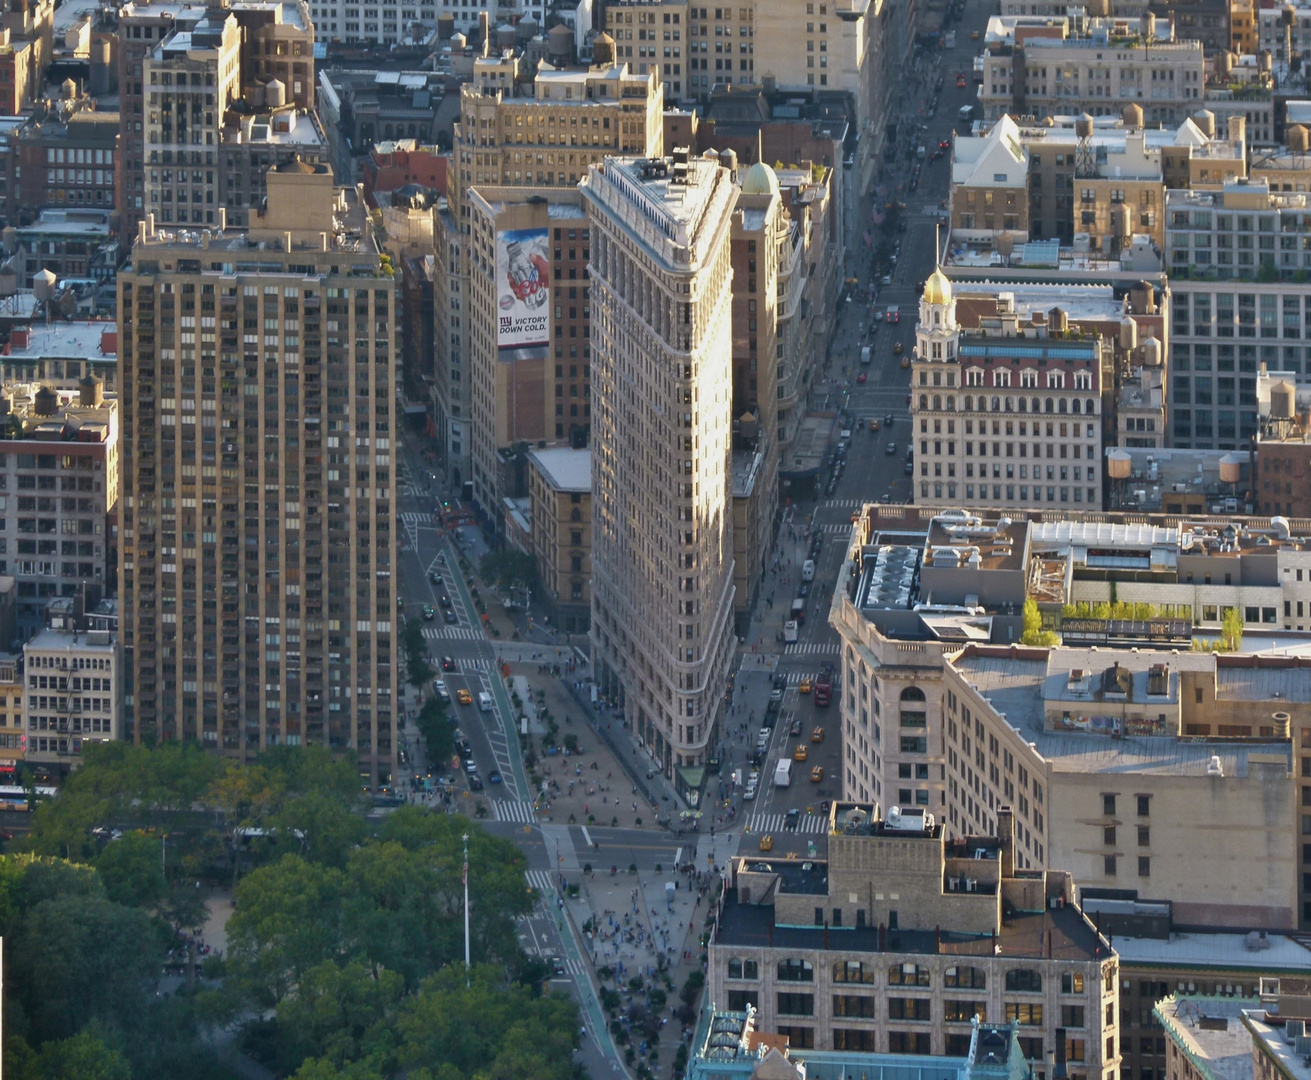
(620,856)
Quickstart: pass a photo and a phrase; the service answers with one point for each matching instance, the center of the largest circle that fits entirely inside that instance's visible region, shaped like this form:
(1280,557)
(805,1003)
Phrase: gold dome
(937,290)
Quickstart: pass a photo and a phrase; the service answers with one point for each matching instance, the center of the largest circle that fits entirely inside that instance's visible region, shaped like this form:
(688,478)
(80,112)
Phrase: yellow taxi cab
(817,774)
(974,35)
(874,423)
(897,348)
(766,843)
(805,685)
(905,361)
(800,753)
(817,735)
(464,697)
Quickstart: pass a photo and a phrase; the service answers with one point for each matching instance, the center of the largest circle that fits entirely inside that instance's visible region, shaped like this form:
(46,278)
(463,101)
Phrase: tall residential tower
(258,554)
(662,562)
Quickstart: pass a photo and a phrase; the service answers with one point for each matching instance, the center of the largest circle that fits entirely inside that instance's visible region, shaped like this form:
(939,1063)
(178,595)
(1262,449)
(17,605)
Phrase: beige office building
(1009,415)
(258,554)
(1122,753)
(1064,66)
(516,143)
(903,937)
(560,487)
(662,546)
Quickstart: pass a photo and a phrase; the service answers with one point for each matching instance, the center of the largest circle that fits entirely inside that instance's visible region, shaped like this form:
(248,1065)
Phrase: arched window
(852,971)
(996,404)
(1060,406)
(1024,405)
(951,402)
(1023,981)
(913,693)
(924,402)
(908,975)
(1010,404)
(575,514)
(795,971)
(937,402)
(1033,405)
(1049,405)
(966,978)
(969,402)
(1089,408)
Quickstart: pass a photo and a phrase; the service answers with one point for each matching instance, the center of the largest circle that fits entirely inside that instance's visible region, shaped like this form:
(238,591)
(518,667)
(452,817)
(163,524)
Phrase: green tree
(79,958)
(288,920)
(322,827)
(508,568)
(489,1029)
(84,1056)
(1231,630)
(334,1012)
(1033,633)
(131,868)
(417,669)
(436,731)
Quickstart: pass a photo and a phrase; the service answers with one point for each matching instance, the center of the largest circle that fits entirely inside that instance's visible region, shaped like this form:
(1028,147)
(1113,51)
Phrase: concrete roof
(79,340)
(1014,687)
(564,468)
(1230,952)
(1212,1032)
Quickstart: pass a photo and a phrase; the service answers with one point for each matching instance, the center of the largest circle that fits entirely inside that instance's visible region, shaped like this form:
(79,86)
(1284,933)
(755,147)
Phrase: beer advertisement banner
(523,293)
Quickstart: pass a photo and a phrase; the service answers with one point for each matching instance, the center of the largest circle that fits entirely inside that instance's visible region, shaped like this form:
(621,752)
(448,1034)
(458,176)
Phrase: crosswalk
(809,648)
(773,823)
(456,633)
(540,880)
(842,504)
(834,530)
(484,667)
(795,677)
(513,810)
(414,517)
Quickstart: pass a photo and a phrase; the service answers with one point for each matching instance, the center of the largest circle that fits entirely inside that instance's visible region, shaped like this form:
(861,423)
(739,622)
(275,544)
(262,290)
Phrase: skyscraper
(258,554)
(662,563)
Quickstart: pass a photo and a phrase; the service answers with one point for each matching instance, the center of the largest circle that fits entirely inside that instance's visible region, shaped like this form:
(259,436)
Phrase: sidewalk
(643,933)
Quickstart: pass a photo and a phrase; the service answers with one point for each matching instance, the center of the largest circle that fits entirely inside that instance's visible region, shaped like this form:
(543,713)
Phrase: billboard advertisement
(523,292)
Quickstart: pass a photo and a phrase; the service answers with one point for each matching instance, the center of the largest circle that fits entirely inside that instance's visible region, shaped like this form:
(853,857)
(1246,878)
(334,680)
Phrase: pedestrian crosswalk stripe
(461,633)
(510,810)
(795,677)
(539,880)
(773,823)
(841,504)
(414,517)
(844,528)
(809,648)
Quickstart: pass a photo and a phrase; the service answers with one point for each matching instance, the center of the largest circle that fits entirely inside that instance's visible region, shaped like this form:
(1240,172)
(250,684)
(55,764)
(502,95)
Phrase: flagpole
(466,910)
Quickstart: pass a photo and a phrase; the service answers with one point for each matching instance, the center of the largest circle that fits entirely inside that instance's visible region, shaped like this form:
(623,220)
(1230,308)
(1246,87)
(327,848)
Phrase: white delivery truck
(790,632)
(783,773)
(485,701)
(808,570)
(864,354)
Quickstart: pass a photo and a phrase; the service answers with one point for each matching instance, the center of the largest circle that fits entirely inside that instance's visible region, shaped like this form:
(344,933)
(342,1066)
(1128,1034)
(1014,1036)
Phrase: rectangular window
(859,1005)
